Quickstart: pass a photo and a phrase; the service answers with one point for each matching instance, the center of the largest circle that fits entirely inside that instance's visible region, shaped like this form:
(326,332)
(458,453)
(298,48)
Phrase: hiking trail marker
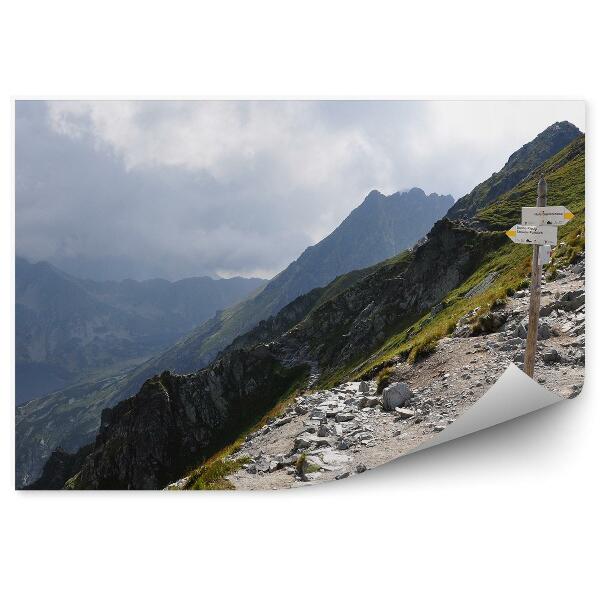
(539,228)
(544,255)
(533,234)
(545,215)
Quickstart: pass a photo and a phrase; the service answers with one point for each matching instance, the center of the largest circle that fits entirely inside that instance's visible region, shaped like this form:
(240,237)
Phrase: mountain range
(348,328)
(68,328)
(395,310)
(380,227)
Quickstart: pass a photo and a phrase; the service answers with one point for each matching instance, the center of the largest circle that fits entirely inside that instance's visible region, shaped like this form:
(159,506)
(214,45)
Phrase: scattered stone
(368,402)
(551,356)
(323,431)
(343,417)
(341,424)
(405,413)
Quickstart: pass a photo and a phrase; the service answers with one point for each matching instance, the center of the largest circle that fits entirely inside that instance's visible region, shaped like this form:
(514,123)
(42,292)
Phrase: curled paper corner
(513,395)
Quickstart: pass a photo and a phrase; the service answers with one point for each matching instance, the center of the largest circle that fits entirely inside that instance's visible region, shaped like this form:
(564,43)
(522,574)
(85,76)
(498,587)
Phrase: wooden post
(536,292)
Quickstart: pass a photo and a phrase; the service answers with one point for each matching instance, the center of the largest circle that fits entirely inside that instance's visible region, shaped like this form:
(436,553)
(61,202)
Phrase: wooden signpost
(538,228)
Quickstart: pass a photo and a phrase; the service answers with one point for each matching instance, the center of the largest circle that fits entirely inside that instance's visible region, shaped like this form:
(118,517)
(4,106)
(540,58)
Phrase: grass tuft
(384,378)
(212,475)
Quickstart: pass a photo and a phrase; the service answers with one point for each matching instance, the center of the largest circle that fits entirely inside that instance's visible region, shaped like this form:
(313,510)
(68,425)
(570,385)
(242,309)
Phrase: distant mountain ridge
(66,326)
(380,227)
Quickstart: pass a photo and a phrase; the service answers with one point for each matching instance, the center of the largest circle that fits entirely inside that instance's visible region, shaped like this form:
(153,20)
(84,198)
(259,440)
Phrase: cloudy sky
(115,189)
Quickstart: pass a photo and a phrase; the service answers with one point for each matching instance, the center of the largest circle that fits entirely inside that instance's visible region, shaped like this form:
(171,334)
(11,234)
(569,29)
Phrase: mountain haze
(67,327)
(379,228)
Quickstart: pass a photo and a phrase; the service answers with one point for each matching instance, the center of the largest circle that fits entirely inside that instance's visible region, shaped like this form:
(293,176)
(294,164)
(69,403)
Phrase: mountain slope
(380,227)
(67,327)
(398,309)
(520,164)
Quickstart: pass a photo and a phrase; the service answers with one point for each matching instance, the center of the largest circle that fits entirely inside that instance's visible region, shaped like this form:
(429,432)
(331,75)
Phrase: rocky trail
(333,434)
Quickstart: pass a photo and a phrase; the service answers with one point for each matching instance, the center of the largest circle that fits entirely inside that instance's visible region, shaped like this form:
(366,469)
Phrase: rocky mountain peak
(520,164)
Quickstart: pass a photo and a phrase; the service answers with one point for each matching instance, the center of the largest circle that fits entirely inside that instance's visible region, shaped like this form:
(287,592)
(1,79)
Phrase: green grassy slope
(413,337)
(565,174)
(518,167)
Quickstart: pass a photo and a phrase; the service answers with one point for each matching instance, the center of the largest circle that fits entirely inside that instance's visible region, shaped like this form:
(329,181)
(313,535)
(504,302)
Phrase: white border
(507,513)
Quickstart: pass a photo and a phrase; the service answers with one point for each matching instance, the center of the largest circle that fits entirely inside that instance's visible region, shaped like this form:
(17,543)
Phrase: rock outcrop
(175,420)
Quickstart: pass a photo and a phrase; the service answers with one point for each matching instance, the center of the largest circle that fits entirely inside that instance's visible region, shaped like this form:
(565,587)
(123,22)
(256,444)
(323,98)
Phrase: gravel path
(344,431)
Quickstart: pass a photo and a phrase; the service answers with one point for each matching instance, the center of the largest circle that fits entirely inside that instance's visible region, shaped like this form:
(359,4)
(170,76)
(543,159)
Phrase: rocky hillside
(67,328)
(397,313)
(377,229)
(336,433)
(519,166)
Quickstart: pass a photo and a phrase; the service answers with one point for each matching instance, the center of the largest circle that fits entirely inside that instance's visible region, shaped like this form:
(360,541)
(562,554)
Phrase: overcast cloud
(117,189)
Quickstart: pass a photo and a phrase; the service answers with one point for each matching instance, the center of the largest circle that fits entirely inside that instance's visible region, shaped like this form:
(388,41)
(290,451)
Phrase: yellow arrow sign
(545,215)
(533,234)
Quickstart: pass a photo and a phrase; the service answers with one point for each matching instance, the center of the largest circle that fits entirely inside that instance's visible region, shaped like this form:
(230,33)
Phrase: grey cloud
(175,189)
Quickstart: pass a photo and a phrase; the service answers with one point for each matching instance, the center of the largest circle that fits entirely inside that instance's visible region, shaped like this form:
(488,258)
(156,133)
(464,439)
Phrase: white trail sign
(545,215)
(533,234)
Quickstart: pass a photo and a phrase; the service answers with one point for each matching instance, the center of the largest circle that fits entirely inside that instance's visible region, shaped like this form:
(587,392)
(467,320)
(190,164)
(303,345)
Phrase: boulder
(304,440)
(318,414)
(363,387)
(396,395)
(462,331)
(544,331)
